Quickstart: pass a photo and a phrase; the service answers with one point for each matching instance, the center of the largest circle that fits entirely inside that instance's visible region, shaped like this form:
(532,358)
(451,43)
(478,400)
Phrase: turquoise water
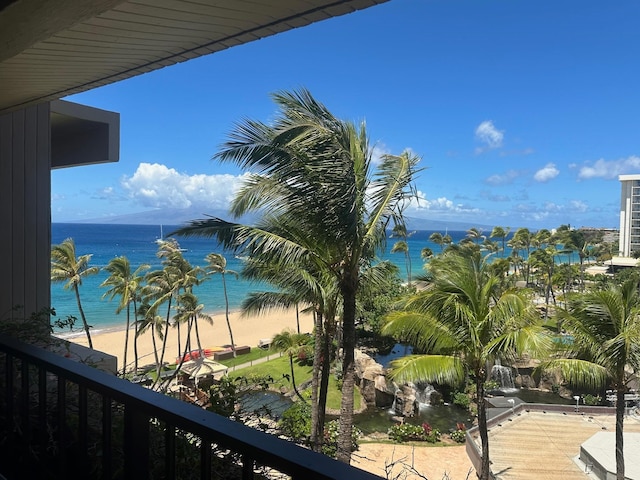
(138,244)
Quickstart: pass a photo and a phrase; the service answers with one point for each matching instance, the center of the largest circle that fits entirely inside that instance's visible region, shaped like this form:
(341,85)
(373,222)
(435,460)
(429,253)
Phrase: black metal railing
(63,419)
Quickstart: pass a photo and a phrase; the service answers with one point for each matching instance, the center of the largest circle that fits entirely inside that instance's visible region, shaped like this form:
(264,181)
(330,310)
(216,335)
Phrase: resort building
(629,215)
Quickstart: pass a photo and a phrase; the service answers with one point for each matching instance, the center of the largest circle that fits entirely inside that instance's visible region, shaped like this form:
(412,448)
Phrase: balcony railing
(63,419)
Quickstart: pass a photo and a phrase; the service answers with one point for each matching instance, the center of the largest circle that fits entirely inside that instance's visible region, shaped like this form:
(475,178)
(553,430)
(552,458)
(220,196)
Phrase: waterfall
(394,406)
(504,376)
(423,394)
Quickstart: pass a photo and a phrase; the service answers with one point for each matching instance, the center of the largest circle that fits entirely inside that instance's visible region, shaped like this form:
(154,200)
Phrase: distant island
(180,216)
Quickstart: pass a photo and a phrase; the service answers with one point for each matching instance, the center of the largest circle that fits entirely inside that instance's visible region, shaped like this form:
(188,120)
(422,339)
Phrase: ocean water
(138,244)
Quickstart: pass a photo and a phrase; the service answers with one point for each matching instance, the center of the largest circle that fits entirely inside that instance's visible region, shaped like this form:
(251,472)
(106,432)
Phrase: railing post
(62,424)
(136,444)
(247,467)
(106,437)
(205,459)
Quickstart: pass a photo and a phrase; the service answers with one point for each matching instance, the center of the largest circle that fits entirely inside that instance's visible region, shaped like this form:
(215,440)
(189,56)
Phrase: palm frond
(429,368)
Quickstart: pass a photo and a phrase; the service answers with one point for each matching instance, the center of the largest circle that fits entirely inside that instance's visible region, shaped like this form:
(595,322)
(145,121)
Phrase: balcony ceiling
(53,48)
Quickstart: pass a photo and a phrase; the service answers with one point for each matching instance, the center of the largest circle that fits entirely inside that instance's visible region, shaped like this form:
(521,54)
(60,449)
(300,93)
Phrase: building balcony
(62,419)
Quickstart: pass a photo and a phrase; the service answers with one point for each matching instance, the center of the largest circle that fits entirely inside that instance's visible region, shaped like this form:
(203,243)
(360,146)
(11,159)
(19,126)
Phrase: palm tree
(127,285)
(544,261)
(189,311)
(501,233)
(320,203)
(438,239)
(160,288)
(402,246)
(521,240)
(66,267)
(426,254)
(300,284)
(291,344)
(606,347)
(464,322)
(475,235)
(216,263)
(183,276)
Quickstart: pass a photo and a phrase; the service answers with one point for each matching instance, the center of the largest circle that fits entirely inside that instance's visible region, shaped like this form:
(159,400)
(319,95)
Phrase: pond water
(267,403)
(443,417)
(399,350)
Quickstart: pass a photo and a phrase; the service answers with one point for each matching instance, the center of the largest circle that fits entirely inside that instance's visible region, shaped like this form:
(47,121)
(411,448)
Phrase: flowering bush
(330,444)
(460,434)
(406,432)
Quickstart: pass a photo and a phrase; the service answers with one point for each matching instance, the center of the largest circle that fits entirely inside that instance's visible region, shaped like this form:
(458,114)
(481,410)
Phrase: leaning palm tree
(216,263)
(606,347)
(464,322)
(320,201)
(66,267)
(292,344)
(161,288)
(301,284)
(124,283)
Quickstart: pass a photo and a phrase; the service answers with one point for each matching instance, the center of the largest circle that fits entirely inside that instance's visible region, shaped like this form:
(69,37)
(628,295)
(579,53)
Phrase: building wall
(25,210)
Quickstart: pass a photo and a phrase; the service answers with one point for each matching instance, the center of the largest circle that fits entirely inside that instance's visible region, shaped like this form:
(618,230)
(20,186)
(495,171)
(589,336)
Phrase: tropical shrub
(330,444)
(459,435)
(462,400)
(407,432)
(592,399)
(296,422)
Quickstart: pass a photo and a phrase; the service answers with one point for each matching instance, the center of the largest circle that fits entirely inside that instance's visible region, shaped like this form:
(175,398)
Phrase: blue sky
(524,113)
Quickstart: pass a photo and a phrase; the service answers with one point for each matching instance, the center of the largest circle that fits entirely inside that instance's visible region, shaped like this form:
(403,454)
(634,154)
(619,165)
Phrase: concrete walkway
(536,445)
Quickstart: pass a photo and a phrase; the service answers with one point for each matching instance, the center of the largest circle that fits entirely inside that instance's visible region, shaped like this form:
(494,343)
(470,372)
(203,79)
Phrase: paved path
(537,445)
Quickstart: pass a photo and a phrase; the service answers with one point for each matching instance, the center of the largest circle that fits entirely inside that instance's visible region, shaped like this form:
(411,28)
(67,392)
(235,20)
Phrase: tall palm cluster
(156,300)
(470,316)
(323,208)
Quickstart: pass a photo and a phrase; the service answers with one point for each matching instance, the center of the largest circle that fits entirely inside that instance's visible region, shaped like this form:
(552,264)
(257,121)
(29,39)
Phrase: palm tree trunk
(482,426)
(348,290)
(324,381)
(226,304)
(293,379)
(82,316)
(620,433)
(179,342)
(164,345)
(315,376)
(126,343)
(135,339)
(195,324)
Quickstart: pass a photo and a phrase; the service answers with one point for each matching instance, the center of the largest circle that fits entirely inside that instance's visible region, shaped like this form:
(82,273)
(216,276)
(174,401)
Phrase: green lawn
(254,354)
(278,367)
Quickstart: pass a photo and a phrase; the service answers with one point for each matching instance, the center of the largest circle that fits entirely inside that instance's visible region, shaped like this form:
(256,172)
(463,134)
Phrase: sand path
(395,461)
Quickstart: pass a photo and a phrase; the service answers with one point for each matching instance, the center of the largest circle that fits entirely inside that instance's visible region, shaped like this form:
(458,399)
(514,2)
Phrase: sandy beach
(247,330)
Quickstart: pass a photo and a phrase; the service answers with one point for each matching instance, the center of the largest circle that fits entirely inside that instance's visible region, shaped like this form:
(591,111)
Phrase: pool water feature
(443,417)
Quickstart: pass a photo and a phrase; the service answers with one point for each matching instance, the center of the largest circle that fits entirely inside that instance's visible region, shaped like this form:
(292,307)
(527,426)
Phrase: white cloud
(488,134)
(502,179)
(548,172)
(440,205)
(610,169)
(578,206)
(157,186)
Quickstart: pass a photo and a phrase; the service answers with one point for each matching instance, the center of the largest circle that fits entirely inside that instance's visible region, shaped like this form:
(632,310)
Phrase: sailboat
(160,239)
